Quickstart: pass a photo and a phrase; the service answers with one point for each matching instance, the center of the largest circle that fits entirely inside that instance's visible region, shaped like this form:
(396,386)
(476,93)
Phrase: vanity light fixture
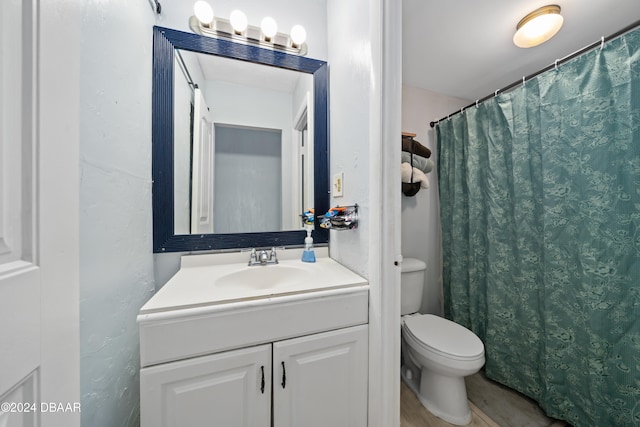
(538,26)
(237,29)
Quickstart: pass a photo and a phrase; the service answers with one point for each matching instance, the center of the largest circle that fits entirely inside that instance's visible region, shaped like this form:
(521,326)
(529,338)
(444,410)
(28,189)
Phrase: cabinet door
(230,389)
(321,380)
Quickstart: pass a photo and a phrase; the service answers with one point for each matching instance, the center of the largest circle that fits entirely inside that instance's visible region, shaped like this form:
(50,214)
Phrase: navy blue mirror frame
(165,40)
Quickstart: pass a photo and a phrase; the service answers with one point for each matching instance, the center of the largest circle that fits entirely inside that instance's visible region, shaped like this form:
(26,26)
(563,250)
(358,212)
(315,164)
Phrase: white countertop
(204,280)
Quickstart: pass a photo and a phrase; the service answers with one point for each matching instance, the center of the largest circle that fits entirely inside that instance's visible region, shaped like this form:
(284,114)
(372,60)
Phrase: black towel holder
(411,188)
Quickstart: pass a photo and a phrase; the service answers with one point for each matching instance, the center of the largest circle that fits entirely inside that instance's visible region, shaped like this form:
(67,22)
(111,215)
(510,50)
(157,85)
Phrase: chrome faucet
(262,257)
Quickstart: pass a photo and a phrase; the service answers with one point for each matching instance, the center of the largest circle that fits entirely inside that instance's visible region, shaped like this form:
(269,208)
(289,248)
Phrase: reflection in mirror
(236,160)
(243,156)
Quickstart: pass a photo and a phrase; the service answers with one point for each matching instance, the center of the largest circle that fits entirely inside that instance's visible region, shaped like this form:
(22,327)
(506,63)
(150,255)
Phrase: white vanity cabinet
(227,345)
(315,380)
(321,380)
(232,388)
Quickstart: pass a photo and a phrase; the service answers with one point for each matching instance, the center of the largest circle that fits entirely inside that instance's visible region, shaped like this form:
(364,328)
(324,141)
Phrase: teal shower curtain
(540,210)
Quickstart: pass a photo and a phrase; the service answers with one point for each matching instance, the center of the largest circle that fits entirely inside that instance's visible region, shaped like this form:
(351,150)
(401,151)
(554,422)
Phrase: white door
(321,380)
(38,234)
(202,175)
(19,274)
(230,389)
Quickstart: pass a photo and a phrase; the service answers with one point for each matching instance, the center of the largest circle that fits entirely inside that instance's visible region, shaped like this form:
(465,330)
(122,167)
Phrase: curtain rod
(156,6)
(557,62)
(185,70)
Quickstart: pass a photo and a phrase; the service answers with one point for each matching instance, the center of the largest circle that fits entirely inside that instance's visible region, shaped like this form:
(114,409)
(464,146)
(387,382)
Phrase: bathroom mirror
(240,125)
(209,111)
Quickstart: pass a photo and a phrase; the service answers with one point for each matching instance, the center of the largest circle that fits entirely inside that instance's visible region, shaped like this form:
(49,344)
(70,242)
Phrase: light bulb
(238,21)
(203,12)
(298,35)
(269,27)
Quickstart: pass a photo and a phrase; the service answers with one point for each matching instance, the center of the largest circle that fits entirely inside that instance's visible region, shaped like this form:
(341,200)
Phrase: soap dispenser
(308,255)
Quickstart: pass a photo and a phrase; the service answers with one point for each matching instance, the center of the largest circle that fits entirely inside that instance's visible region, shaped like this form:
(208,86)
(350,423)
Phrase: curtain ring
(462,110)
(523,80)
(556,65)
(476,103)
(496,93)
(602,43)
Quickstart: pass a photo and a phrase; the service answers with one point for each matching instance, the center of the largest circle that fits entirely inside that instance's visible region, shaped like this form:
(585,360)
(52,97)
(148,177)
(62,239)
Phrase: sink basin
(217,279)
(264,277)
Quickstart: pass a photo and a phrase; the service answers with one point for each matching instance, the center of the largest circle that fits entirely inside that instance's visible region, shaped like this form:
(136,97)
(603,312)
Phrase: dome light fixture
(538,26)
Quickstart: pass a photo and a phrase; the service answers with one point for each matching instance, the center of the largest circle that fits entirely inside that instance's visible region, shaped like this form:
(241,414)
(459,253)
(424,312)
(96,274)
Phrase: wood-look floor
(505,406)
(413,414)
(495,406)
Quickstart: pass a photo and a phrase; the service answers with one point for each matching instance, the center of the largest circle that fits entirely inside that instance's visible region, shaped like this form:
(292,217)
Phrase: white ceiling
(464,48)
(246,73)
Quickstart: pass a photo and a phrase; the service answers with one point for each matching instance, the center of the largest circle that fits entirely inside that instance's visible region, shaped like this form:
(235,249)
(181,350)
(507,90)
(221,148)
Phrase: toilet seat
(444,337)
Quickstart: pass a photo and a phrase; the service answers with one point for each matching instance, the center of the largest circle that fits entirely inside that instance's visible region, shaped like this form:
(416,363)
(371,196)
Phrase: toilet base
(443,396)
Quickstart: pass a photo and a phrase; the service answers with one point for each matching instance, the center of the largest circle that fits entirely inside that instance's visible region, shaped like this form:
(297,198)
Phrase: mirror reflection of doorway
(202,166)
(251,159)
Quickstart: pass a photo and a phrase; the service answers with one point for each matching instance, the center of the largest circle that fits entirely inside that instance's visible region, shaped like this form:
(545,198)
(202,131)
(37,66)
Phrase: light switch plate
(338,184)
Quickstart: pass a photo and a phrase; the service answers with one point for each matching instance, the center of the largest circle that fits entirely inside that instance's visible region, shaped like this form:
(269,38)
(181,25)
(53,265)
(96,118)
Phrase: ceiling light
(538,26)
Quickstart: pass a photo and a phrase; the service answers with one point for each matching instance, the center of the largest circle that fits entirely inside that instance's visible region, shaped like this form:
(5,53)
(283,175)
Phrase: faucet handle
(273,257)
(253,258)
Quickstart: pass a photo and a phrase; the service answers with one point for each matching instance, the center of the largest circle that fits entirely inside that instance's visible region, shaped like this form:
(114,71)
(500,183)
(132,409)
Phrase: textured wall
(352,92)
(420,214)
(116,263)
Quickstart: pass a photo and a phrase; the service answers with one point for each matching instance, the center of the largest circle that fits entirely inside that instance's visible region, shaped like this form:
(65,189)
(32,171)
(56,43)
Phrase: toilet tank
(411,285)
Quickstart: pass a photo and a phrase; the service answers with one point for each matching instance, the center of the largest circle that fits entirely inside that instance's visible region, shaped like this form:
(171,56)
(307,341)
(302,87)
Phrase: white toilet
(437,353)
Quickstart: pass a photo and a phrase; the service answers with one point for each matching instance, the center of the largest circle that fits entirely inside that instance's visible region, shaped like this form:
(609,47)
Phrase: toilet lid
(410,265)
(444,336)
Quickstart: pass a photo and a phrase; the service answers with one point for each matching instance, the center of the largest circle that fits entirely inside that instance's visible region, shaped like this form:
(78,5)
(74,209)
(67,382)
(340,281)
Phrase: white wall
(116,261)
(365,73)
(352,77)
(420,214)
